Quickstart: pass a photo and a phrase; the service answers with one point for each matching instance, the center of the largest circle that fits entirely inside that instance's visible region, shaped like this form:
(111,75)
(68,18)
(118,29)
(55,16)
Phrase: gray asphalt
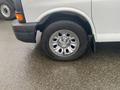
(24,67)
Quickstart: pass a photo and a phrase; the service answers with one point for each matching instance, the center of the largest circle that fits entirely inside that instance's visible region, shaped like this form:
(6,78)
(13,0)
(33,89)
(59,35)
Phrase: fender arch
(46,14)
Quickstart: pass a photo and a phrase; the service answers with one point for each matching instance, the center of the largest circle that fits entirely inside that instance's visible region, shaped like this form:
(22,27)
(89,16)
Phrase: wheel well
(65,16)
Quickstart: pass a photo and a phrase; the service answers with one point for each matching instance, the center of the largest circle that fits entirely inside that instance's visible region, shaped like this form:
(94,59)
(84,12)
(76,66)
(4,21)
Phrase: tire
(7,11)
(67,28)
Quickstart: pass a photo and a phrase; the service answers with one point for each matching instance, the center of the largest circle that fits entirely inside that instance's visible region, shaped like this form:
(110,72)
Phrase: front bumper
(25,32)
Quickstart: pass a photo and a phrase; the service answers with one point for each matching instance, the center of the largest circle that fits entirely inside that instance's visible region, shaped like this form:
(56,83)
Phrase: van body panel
(106,18)
(34,9)
(102,15)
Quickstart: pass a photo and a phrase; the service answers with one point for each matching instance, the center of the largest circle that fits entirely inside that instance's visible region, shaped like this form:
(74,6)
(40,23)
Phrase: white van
(68,26)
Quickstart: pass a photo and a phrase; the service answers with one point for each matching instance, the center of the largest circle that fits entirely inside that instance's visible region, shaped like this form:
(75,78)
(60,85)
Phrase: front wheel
(64,40)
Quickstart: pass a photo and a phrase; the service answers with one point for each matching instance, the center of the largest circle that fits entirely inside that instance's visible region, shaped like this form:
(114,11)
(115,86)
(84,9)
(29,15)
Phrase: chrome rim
(64,43)
(5,10)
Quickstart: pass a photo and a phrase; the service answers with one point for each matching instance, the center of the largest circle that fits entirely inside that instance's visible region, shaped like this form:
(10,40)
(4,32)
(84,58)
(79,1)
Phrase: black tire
(69,25)
(11,9)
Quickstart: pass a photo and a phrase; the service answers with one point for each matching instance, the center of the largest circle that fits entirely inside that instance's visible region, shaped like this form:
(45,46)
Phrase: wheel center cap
(64,42)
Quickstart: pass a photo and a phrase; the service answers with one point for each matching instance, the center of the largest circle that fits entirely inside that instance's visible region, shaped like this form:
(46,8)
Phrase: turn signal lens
(19,17)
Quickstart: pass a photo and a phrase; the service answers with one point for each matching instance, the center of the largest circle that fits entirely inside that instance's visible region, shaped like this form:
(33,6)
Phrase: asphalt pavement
(24,67)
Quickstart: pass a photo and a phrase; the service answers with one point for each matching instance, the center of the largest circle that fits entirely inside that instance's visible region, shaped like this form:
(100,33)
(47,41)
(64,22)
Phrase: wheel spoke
(59,50)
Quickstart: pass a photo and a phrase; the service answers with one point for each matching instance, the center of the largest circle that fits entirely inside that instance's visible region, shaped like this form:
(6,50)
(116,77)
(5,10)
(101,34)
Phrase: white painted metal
(103,15)
(106,18)
(34,9)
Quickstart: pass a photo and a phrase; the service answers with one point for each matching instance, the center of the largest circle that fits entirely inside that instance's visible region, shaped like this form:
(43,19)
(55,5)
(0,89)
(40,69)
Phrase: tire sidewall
(69,25)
